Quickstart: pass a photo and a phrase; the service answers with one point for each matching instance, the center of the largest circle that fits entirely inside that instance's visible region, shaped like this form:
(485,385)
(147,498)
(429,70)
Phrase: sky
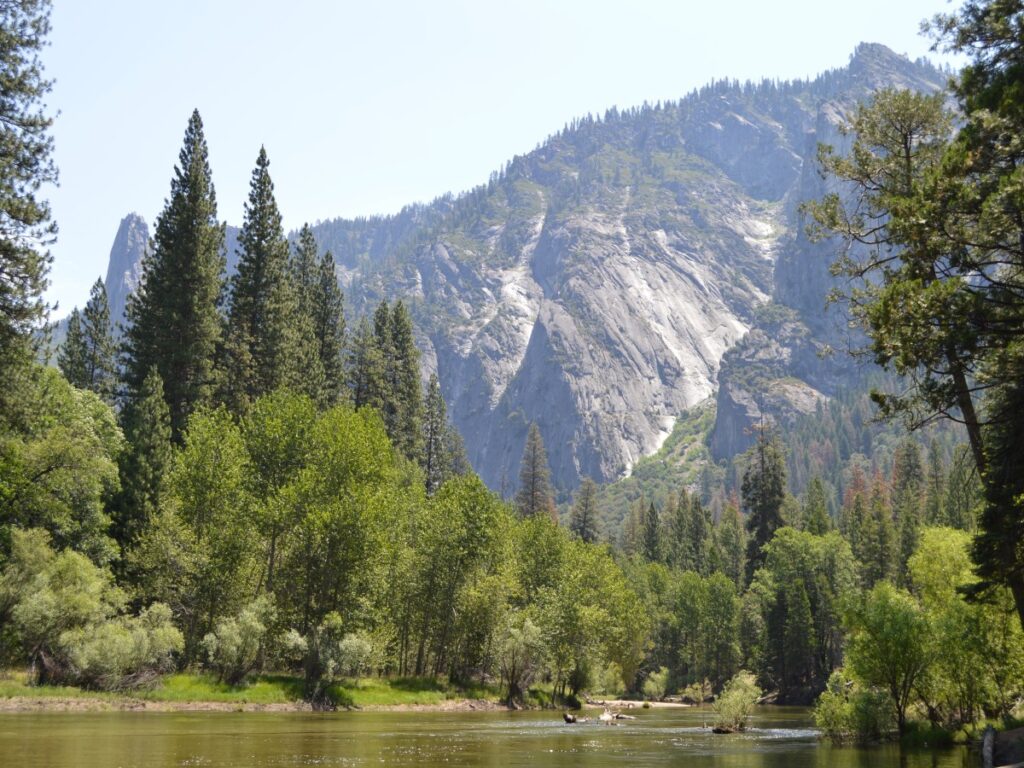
(364,107)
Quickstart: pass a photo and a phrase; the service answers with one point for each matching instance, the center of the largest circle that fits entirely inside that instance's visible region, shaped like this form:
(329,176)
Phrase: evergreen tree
(435,458)
(876,549)
(816,517)
(147,429)
(730,545)
(935,492)
(262,349)
(406,390)
(319,300)
(173,321)
(678,542)
(366,381)
(26,151)
(700,537)
(763,491)
(72,357)
(652,540)
(99,339)
(584,517)
(535,496)
(907,492)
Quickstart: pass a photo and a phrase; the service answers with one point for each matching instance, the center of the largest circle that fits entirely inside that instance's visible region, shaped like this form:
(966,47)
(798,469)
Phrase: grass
(261,689)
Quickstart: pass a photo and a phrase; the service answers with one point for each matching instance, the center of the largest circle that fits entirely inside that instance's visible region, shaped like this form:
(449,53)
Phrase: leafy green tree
(173,323)
(234,646)
(277,432)
(885,645)
(763,491)
(26,148)
(976,646)
(59,469)
(199,555)
(584,518)
(535,496)
(735,703)
(521,655)
(144,462)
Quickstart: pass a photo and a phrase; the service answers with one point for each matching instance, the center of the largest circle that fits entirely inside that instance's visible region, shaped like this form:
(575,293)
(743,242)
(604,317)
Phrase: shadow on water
(778,738)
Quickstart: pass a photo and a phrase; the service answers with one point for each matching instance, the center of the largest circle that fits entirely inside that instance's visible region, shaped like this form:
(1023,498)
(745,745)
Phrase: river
(777,738)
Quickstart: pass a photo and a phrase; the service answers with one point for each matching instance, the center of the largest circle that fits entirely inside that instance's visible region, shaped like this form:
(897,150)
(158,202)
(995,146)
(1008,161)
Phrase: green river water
(778,738)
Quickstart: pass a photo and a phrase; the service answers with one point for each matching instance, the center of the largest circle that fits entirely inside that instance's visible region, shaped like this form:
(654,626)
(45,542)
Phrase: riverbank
(265,693)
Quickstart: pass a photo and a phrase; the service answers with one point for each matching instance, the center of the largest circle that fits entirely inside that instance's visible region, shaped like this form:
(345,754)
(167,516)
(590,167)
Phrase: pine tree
(99,340)
(366,383)
(262,350)
(877,541)
(583,520)
(907,487)
(173,321)
(435,429)
(934,511)
(535,496)
(816,517)
(147,430)
(319,299)
(700,536)
(406,389)
(26,150)
(652,539)
(763,491)
(730,545)
(72,357)
(679,526)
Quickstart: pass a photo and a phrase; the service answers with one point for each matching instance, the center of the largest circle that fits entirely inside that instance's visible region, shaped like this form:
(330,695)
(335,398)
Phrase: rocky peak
(124,268)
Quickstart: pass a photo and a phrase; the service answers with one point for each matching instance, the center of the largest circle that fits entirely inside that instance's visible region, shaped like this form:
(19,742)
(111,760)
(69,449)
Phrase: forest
(243,479)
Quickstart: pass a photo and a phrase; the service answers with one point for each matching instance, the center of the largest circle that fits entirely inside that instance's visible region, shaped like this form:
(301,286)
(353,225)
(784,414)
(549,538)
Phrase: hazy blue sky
(366,106)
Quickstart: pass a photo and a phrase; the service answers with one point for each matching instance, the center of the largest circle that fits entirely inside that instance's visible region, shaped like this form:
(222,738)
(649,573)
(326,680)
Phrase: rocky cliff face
(595,285)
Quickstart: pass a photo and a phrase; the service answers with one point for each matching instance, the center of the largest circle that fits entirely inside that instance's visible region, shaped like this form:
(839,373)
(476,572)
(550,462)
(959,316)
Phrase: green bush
(847,712)
(736,701)
(609,680)
(656,684)
(67,616)
(234,647)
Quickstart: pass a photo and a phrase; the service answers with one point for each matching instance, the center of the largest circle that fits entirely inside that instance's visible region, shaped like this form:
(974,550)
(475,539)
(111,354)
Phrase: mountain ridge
(595,284)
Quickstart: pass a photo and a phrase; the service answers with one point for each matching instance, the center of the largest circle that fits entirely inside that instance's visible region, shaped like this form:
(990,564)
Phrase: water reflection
(779,738)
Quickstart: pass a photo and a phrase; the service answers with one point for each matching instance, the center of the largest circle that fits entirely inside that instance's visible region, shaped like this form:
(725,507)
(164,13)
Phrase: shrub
(736,701)
(609,680)
(235,645)
(847,712)
(655,684)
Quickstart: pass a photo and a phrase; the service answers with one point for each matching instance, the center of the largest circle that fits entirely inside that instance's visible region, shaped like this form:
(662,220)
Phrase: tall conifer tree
(72,357)
(173,320)
(583,521)
(763,491)
(406,389)
(534,496)
(262,351)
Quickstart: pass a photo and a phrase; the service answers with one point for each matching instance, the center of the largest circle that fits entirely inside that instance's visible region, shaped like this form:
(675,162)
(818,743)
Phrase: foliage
(656,684)
(535,495)
(234,647)
(67,615)
(520,656)
(848,712)
(173,323)
(27,165)
(734,705)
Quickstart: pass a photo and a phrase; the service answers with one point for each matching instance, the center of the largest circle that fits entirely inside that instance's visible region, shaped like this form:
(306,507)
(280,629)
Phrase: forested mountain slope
(594,285)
